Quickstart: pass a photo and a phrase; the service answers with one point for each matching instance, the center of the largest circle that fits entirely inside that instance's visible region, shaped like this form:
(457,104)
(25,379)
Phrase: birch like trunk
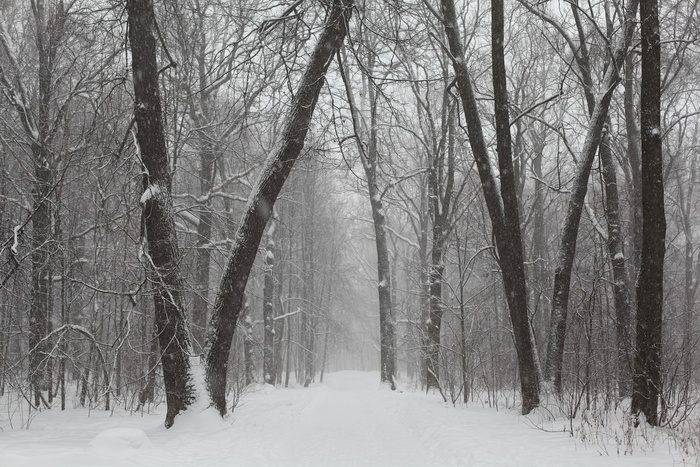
(269,371)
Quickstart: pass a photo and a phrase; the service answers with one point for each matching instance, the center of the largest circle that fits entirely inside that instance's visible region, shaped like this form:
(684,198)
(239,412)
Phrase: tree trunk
(39,311)
(623,312)
(370,160)
(567,249)
(229,300)
(163,256)
(309,287)
(248,344)
(504,227)
(200,301)
(269,371)
(634,157)
(647,377)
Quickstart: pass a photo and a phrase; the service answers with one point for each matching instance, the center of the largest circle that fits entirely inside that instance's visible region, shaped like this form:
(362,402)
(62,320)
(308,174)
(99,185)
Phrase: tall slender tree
(647,375)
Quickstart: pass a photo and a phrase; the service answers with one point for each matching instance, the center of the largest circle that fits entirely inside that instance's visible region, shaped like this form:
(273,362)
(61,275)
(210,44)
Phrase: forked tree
(163,254)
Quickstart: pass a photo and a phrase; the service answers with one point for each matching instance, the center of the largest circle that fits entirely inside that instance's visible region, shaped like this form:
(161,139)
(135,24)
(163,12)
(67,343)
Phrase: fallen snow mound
(119,439)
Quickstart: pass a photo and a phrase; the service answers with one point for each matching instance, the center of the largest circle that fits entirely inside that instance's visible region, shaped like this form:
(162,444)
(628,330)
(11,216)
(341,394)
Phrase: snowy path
(347,421)
(346,425)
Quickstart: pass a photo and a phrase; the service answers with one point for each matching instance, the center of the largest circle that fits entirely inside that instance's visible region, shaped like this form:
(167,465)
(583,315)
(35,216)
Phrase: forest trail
(346,424)
(349,420)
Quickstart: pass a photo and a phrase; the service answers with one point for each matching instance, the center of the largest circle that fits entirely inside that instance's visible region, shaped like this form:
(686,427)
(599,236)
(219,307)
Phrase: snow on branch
(18,97)
(287,315)
(15,244)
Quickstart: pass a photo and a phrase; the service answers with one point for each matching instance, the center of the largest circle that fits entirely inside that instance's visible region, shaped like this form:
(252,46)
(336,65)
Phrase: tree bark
(269,371)
(157,204)
(509,250)
(647,377)
(623,313)
(634,158)
(309,316)
(229,300)
(567,249)
(200,301)
(370,161)
(248,344)
(440,194)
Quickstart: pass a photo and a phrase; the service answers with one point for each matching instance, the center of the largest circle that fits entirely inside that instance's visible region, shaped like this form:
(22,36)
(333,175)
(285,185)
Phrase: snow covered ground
(349,420)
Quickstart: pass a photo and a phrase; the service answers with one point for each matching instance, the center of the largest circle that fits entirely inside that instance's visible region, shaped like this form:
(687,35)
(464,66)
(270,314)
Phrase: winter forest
(461,214)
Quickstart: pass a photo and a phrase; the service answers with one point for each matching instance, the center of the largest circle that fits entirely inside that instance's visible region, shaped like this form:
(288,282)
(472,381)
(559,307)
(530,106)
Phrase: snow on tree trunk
(269,371)
(248,343)
(163,258)
(203,255)
(647,377)
(623,313)
(229,300)
(634,156)
(567,248)
(371,160)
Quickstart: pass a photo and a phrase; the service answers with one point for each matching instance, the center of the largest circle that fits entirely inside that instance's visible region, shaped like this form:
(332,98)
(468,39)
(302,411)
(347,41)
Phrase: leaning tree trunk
(162,258)
(647,377)
(567,249)
(227,306)
(506,229)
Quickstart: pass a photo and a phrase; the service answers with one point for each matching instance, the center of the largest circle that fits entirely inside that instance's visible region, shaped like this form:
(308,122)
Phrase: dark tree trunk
(229,300)
(647,377)
(440,193)
(436,310)
(510,251)
(39,311)
(424,294)
(623,318)
(386,320)
(370,160)
(163,256)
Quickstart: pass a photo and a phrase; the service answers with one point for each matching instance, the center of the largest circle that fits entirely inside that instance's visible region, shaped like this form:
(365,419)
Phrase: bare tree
(502,207)
(163,256)
(229,300)
(269,363)
(371,159)
(647,375)
(598,117)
